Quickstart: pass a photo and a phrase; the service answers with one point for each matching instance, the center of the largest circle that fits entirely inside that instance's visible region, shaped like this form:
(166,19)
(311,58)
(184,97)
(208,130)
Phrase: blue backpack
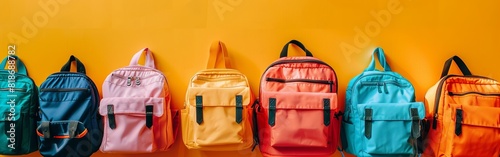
(381,116)
(70,125)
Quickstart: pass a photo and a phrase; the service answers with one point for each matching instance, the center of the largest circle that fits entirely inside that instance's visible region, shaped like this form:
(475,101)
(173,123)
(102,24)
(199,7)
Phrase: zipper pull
(129,80)
(137,81)
(385,88)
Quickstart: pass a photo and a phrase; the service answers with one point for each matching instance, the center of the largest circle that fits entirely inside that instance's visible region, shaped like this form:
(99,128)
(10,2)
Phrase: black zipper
(478,93)
(328,82)
(63,89)
(440,89)
(302,61)
(14,89)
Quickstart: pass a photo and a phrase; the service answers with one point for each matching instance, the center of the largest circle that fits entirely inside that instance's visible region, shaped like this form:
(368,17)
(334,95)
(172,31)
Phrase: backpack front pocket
(129,123)
(474,130)
(390,128)
(218,116)
(301,119)
(67,136)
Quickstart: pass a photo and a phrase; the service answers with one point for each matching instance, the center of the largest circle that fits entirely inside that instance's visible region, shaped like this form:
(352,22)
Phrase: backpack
(217,115)
(381,115)
(136,109)
(19,99)
(298,111)
(69,125)
(464,113)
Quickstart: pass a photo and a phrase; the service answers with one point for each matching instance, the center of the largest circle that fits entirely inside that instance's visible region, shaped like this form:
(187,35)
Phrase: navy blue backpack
(70,125)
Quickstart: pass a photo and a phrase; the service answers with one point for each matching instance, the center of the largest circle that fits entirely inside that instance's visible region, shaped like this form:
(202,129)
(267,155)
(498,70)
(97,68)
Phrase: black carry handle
(284,52)
(79,65)
(460,65)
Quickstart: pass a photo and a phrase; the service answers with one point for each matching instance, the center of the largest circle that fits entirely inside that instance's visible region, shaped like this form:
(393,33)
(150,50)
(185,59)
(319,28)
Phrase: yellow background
(419,36)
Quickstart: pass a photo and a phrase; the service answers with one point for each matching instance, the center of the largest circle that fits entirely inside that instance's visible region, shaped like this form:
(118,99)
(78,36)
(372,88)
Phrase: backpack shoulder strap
(20,67)
(460,63)
(379,53)
(79,65)
(218,47)
(284,51)
(150,60)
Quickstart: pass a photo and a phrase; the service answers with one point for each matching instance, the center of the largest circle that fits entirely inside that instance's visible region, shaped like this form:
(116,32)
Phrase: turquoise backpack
(18,109)
(381,116)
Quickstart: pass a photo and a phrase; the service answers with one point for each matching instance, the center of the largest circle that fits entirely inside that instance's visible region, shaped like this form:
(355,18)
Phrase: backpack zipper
(328,82)
(203,78)
(136,79)
(14,89)
(438,94)
(94,93)
(382,84)
(348,109)
(376,83)
(468,93)
(302,61)
(63,89)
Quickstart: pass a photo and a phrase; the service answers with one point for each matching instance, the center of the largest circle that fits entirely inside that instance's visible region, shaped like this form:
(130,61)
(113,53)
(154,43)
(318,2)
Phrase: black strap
(284,51)
(72,129)
(414,144)
(415,125)
(79,65)
(423,135)
(45,128)
(255,125)
(343,138)
(426,126)
(199,109)
(458,122)
(239,109)
(149,116)
(460,63)
(272,111)
(111,117)
(326,112)
(368,122)
(415,130)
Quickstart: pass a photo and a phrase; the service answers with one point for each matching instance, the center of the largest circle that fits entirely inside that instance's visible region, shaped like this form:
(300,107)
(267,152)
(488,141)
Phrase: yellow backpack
(217,114)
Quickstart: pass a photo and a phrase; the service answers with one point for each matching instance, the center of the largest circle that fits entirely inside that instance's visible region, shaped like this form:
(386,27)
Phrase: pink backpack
(136,109)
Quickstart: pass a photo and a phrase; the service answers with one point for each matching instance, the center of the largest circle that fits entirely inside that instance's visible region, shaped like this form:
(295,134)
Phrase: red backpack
(298,113)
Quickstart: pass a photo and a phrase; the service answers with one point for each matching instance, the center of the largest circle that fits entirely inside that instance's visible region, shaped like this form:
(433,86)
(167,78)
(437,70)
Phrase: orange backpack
(464,115)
